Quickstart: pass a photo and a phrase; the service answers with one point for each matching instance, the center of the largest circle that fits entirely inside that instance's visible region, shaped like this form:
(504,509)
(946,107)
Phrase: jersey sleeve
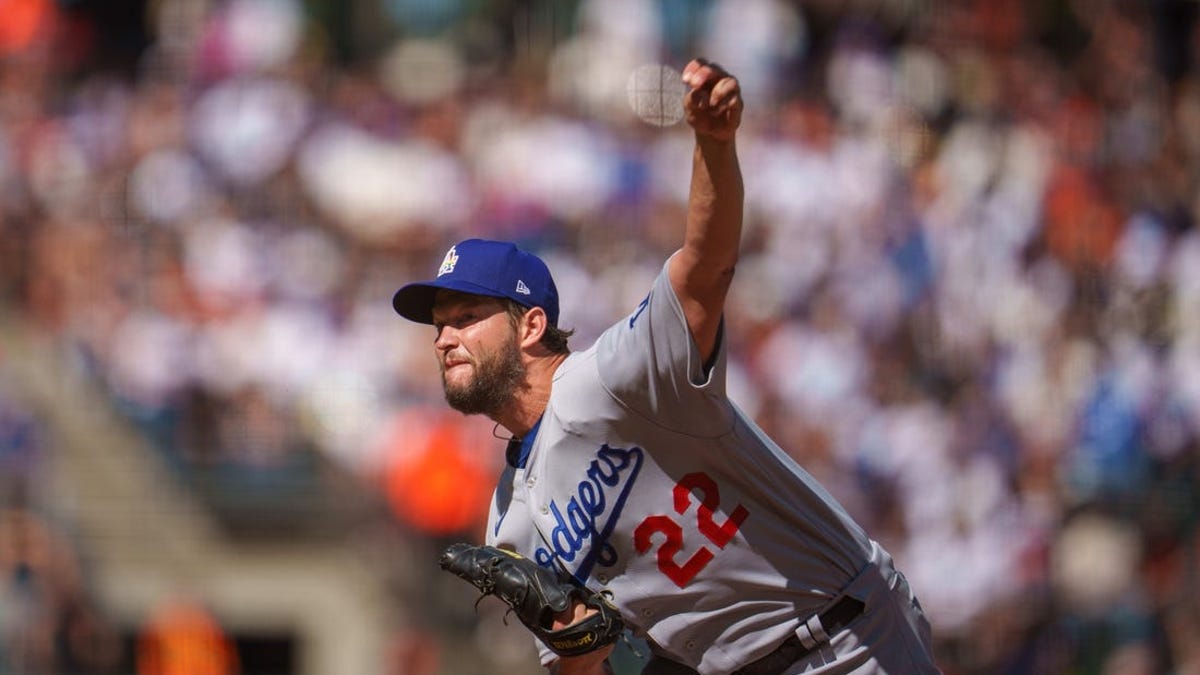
(650,363)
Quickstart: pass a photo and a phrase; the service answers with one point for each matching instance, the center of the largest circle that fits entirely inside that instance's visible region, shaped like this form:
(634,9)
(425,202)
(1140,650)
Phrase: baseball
(656,94)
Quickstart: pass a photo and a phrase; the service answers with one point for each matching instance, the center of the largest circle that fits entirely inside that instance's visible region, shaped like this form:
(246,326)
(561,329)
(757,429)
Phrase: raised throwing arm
(702,269)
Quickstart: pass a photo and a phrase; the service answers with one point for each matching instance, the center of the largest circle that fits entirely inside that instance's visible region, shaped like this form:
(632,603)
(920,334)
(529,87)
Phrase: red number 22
(672,533)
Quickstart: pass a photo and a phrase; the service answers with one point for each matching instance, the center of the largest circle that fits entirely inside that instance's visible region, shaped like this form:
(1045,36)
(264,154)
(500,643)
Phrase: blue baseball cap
(483,267)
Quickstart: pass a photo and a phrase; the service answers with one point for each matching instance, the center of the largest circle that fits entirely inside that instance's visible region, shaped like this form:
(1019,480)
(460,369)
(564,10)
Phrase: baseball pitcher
(636,496)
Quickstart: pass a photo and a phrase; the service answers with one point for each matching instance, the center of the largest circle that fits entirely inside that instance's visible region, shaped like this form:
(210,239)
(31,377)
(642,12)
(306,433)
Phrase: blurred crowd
(968,300)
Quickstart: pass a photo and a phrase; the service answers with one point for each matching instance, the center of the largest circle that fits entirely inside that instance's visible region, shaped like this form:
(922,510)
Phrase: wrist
(710,144)
(582,665)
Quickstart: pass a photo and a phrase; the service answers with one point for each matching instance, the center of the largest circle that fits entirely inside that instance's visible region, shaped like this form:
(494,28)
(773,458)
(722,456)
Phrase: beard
(497,378)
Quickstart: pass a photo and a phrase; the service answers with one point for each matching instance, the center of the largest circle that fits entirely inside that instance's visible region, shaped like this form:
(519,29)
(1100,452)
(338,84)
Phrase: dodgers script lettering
(589,516)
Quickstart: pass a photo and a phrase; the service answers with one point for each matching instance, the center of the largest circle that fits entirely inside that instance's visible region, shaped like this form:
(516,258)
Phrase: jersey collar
(517,452)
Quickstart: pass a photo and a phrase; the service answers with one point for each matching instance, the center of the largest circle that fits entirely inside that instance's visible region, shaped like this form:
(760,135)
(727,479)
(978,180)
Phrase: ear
(532,327)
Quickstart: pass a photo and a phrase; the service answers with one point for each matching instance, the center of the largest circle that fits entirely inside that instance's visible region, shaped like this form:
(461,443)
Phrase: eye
(457,321)
(462,319)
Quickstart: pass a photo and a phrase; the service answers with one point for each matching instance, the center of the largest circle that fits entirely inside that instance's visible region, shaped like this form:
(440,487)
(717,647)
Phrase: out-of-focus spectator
(48,621)
(183,638)
(439,472)
(22,455)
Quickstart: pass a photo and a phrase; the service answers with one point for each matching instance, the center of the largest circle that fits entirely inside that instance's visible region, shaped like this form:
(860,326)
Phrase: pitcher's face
(477,352)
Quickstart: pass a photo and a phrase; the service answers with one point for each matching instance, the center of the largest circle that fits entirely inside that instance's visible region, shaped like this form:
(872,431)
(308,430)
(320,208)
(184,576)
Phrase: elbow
(714,283)
(721,271)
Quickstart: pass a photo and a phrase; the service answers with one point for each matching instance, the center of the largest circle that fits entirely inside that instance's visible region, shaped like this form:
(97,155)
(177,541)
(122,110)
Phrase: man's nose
(447,337)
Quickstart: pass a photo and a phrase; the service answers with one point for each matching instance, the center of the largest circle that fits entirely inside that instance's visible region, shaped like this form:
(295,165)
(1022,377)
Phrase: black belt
(792,650)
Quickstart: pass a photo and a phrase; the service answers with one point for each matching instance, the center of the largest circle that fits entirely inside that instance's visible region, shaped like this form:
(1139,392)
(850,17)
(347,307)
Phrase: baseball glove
(535,595)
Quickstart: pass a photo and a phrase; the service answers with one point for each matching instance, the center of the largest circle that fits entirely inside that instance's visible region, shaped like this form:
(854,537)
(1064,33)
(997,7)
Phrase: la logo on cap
(448,262)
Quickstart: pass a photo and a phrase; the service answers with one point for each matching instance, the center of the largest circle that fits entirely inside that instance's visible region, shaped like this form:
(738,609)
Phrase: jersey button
(689,645)
(530,482)
(545,509)
(647,612)
(602,578)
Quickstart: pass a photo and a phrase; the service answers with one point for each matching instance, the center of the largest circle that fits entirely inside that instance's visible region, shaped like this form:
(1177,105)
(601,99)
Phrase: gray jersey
(642,479)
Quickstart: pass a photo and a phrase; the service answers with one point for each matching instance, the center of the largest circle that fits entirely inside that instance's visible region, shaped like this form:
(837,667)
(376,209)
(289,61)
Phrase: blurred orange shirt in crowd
(435,479)
(1082,224)
(182,638)
(21,21)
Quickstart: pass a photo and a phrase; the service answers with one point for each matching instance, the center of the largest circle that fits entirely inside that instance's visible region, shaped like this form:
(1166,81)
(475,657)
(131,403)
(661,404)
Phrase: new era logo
(522,288)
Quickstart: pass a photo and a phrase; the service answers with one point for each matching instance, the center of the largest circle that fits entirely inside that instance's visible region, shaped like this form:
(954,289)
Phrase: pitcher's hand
(713,103)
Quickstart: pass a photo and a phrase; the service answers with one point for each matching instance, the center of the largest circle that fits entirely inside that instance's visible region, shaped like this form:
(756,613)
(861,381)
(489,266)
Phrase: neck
(527,406)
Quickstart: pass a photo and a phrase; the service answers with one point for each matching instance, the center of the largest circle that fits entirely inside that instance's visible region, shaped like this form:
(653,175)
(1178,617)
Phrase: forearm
(715,207)
(702,270)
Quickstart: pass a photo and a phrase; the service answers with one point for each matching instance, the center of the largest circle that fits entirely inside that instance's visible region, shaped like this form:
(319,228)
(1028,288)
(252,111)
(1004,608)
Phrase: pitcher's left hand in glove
(536,595)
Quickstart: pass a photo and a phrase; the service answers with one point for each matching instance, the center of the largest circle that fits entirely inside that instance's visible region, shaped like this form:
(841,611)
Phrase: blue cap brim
(415,301)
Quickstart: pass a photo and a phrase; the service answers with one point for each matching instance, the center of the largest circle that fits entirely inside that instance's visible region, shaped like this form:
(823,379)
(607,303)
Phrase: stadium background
(969,301)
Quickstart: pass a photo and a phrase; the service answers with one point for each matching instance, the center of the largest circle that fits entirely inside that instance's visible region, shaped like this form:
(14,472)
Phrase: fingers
(713,103)
(710,85)
(725,94)
(572,615)
(701,74)
(713,97)
(691,72)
